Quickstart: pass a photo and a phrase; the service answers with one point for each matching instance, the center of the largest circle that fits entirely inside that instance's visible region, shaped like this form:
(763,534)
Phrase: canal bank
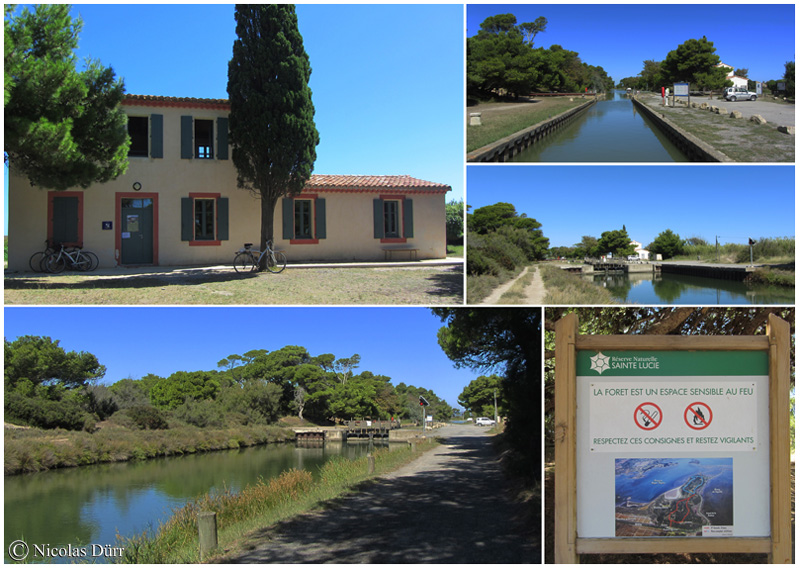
(506,148)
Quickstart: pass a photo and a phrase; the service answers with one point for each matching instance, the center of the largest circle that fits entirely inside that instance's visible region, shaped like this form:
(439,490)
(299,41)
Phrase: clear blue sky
(733,202)
(134,341)
(619,37)
(387,81)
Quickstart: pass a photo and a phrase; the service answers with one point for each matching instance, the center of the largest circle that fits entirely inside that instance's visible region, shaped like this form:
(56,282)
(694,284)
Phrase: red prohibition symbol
(647,416)
(698,416)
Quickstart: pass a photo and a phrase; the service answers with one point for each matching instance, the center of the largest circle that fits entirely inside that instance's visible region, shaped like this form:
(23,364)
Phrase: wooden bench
(388,250)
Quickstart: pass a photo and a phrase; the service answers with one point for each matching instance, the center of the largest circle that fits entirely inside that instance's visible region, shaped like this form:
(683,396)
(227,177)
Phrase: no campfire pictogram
(698,416)
(647,416)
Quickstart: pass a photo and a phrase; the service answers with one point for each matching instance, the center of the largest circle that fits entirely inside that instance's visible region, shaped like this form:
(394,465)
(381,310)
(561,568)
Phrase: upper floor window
(137,130)
(203,138)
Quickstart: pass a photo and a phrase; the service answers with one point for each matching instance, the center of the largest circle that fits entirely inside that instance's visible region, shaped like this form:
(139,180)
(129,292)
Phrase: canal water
(683,289)
(612,130)
(91,505)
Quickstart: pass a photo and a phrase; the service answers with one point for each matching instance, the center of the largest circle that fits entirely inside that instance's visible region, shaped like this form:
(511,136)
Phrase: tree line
(501,59)
(48,387)
(615,242)
(695,61)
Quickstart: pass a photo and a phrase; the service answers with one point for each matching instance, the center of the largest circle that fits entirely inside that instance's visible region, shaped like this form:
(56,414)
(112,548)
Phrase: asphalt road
(448,506)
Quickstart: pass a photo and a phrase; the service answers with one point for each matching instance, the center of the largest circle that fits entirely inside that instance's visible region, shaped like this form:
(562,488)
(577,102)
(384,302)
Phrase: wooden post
(207,528)
(779,352)
(565,491)
(370,464)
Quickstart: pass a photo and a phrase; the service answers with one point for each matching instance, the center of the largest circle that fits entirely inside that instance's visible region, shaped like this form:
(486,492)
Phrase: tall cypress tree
(272,130)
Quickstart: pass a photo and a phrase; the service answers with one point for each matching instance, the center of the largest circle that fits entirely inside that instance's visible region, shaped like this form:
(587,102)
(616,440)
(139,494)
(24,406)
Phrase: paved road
(448,506)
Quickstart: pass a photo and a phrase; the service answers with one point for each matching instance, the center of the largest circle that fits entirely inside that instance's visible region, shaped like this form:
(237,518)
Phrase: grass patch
(323,286)
(499,120)
(565,288)
(33,450)
(763,142)
(455,251)
(259,506)
(480,287)
(516,294)
(775,277)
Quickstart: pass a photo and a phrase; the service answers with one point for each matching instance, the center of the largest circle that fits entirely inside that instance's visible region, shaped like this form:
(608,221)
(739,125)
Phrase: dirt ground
(534,292)
(451,505)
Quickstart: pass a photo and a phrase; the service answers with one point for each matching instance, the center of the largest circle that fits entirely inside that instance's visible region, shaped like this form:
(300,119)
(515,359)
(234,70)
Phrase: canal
(91,505)
(683,289)
(612,130)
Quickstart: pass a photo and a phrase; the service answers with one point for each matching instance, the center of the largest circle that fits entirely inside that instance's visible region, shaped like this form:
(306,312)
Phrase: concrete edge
(490,151)
(693,147)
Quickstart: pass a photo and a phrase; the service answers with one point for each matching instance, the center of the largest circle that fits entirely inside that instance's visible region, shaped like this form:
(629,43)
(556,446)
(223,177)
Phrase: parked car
(739,93)
(484,422)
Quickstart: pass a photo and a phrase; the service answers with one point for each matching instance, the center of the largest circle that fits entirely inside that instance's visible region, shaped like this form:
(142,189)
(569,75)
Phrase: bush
(46,413)
(144,417)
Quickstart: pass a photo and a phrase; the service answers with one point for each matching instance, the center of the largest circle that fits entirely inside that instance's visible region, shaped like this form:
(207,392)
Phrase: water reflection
(683,289)
(92,504)
(610,131)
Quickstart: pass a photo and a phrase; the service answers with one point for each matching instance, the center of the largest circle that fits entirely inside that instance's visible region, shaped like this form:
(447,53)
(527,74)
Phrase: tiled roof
(183,102)
(322,182)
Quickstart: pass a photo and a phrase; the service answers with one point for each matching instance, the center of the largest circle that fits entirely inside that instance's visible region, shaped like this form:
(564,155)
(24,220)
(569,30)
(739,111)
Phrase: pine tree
(272,130)
(63,127)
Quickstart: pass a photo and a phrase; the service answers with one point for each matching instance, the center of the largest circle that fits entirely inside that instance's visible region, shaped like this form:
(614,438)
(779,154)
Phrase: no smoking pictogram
(647,416)
(698,416)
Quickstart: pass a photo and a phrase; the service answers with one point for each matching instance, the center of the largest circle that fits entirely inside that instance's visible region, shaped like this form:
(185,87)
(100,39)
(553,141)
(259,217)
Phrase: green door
(65,220)
(136,225)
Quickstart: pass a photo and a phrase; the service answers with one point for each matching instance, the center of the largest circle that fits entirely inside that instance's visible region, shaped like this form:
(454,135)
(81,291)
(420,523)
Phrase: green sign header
(605,363)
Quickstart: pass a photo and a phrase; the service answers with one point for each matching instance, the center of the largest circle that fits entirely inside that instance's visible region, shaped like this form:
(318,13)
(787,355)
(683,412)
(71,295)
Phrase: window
(203,139)
(303,227)
(137,130)
(303,219)
(204,219)
(391,218)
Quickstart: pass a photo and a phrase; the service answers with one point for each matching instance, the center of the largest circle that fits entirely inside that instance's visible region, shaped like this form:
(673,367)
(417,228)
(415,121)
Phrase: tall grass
(33,450)
(565,288)
(257,506)
(766,249)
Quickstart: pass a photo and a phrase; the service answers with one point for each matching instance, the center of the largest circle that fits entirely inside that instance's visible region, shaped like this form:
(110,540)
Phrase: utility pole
(495,406)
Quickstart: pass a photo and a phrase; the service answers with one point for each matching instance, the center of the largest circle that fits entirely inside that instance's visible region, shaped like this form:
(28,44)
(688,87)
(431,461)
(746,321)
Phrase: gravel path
(448,506)
(495,295)
(534,294)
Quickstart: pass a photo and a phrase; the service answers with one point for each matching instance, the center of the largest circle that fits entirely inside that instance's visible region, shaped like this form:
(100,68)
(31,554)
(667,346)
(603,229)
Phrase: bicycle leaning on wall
(248,260)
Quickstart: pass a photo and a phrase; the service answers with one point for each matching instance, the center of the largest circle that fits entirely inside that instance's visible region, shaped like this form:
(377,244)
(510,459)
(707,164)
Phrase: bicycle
(35,262)
(75,258)
(248,260)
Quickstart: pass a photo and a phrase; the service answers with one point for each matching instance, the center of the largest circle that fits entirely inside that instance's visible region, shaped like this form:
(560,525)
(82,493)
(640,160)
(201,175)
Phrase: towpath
(534,292)
(448,506)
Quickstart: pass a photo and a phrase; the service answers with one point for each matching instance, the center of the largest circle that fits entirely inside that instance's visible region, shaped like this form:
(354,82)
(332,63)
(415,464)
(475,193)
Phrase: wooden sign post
(667,444)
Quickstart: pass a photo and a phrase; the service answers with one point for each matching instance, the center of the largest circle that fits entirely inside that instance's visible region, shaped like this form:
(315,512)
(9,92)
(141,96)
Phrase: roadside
(739,139)
(420,282)
(451,505)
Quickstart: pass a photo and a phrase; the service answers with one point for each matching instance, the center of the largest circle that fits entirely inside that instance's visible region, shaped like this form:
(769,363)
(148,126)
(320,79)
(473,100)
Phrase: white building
(737,81)
(640,251)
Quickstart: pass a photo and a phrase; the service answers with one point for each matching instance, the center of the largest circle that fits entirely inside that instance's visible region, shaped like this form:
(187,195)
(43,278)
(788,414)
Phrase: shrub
(145,417)
(46,413)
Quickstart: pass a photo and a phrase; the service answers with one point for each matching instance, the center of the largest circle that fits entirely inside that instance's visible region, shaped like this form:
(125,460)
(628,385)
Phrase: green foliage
(478,396)
(42,361)
(788,77)
(145,417)
(616,242)
(46,413)
(454,218)
(272,131)
(667,244)
(63,127)
(695,61)
(172,391)
(501,60)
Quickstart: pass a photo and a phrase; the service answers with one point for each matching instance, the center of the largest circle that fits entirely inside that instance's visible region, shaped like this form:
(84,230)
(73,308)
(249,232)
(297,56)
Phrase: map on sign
(673,497)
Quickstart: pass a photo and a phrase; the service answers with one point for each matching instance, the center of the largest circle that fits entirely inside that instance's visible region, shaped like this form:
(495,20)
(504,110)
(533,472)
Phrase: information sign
(681,89)
(672,444)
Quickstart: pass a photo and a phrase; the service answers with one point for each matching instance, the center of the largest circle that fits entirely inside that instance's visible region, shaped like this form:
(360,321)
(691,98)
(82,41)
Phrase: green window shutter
(187,126)
(187,219)
(222,138)
(408,218)
(377,217)
(319,218)
(157,136)
(222,219)
(288,218)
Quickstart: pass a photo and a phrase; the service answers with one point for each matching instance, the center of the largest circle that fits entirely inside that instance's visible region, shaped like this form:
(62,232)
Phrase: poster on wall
(661,437)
